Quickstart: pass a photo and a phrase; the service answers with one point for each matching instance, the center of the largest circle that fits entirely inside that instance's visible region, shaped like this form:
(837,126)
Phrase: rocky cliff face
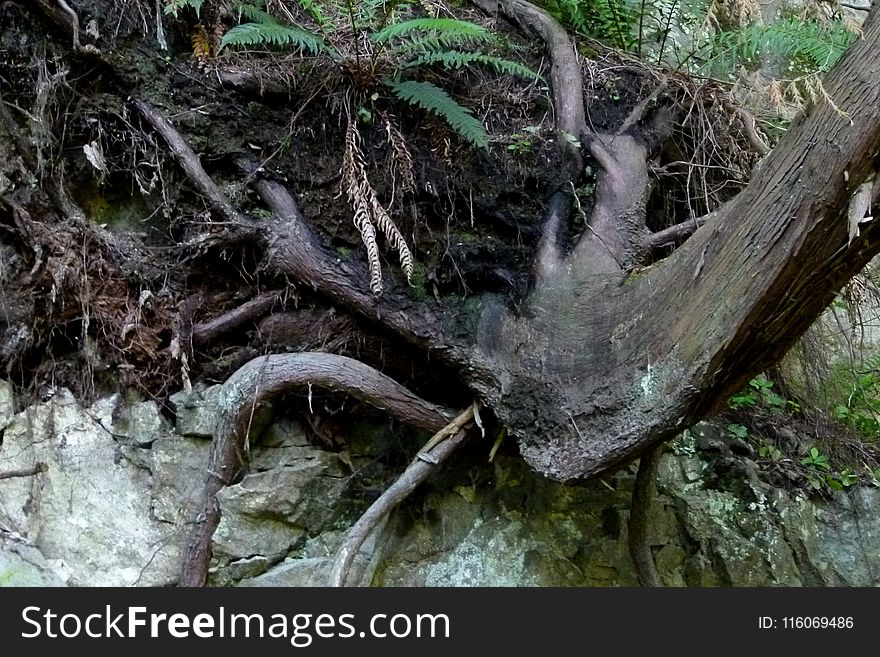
(122,481)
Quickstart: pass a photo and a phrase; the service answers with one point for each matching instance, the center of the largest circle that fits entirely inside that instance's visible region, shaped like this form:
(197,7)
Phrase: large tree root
(293,249)
(256,384)
(642,495)
(435,451)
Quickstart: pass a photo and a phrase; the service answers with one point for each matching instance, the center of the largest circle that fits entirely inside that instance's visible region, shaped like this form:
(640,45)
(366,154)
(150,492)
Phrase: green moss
(418,290)
(113,206)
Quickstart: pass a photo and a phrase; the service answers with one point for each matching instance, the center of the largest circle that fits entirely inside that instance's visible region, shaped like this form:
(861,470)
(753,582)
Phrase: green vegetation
(757,407)
(861,407)
(759,394)
(690,35)
(400,48)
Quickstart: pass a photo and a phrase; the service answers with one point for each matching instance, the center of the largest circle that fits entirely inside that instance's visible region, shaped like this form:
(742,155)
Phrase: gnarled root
(258,382)
(643,493)
(435,451)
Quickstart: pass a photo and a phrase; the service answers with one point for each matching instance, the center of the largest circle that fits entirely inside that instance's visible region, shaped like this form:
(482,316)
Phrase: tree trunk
(598,367)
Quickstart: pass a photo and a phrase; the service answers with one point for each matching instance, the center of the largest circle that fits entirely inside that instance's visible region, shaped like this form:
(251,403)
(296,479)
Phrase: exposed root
(643,493)
(749,126)
(258,383)
(206,332)
(35,469)
(54,188)
(435,451)
(292,246)
(189,161)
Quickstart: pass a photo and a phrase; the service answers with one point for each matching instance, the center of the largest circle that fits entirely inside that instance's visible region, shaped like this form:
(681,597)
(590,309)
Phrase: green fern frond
(264,34)
(174,6)
(438,102)
(445,32)
(872,363)
(256,14)
(314,9)
(817,45)
(456,59)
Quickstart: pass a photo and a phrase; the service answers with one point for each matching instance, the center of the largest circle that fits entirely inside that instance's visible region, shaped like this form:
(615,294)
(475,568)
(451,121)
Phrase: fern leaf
(256,14)
(263,34)
(438,102)
(820,46)
(445,31)
(455,59)
(174,6)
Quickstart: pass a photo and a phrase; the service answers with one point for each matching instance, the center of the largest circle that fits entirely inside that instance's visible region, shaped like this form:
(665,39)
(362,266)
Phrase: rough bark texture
(639,514)
(597,369)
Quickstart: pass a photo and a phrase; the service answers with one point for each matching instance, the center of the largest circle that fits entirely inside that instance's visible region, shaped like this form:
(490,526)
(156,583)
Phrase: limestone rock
(196,412)
(24,565)
(91,510)
(7,404)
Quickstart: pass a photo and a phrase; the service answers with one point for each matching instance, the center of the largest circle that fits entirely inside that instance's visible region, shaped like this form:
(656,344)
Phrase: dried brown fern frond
(401,158)
(352,180)
(202,44)
(369,211)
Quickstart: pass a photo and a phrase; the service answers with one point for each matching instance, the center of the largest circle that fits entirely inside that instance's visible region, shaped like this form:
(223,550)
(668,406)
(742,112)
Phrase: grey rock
(141,422)
(235,571)
(178,465)
(90,512)
(269,513)
(7,404)
(849,538)
(24,565)
(197,412)
(293,572)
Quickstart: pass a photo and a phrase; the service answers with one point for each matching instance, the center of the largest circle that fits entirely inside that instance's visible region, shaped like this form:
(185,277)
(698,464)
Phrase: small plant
(862,408)
(816,460)
(769,452)
(759,393)
(737,430)
(522,143)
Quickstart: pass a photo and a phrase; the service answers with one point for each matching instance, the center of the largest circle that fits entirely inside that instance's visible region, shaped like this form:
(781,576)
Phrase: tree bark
(598,368)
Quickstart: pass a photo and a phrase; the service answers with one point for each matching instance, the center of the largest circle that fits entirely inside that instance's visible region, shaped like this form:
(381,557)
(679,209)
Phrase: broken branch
(35,469)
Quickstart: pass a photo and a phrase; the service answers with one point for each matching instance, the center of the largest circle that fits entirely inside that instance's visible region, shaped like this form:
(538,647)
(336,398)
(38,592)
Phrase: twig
(35,469)
(440,446)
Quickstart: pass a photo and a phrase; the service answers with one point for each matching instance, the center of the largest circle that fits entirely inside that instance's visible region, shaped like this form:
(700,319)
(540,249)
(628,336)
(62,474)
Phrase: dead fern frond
(352,179)
(369,211)
(202,44)
(401,158)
